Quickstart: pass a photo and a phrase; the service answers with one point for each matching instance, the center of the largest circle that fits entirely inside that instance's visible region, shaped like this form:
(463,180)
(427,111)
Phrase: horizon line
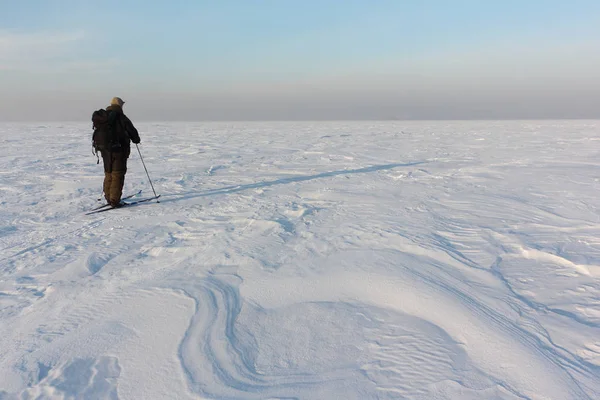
(322,120)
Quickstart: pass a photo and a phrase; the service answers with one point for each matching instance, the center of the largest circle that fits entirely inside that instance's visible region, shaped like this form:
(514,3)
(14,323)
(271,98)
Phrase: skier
(114,157)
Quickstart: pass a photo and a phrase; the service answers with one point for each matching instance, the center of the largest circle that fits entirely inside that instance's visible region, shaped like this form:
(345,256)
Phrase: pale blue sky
(327,59)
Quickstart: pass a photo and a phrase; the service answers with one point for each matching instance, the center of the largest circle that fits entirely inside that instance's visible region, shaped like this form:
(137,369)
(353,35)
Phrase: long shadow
(165,198)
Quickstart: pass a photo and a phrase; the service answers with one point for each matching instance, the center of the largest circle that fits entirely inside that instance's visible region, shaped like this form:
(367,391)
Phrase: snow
(304,260)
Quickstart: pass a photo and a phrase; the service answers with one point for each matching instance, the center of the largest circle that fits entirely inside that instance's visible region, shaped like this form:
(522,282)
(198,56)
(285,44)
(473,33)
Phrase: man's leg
(119,168)
(107,161)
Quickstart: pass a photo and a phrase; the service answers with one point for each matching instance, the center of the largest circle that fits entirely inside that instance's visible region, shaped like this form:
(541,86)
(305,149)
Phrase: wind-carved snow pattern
(375,260)
(325,349)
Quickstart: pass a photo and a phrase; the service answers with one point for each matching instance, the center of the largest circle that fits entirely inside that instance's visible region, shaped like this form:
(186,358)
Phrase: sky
(300,60)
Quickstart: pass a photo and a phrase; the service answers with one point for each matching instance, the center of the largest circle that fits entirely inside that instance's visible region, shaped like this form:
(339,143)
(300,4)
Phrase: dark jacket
(125,125)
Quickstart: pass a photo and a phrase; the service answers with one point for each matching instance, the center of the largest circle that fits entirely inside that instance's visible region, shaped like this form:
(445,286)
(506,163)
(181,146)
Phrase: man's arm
(131,131)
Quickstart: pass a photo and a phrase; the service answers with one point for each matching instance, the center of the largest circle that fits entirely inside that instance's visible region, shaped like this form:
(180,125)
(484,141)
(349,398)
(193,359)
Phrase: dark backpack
(106,131)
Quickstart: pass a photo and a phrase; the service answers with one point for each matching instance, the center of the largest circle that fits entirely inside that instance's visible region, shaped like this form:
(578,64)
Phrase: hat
(117,101)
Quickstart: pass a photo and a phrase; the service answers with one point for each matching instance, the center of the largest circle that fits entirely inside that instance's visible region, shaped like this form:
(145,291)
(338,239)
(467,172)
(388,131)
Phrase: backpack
(106,131)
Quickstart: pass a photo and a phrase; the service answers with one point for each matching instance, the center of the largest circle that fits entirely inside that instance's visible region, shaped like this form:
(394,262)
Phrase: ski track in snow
(355,260)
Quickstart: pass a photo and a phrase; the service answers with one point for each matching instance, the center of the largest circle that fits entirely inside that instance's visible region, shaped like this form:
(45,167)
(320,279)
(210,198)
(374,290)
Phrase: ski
(123,205)
(141,201)
(108,205)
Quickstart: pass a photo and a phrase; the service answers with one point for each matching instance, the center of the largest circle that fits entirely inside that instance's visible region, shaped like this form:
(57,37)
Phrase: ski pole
(147,174)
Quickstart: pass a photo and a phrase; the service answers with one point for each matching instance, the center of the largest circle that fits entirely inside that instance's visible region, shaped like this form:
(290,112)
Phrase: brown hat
(117,101)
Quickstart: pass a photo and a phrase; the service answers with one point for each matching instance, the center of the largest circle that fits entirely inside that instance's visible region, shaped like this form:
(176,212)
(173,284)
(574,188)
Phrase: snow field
(356,260)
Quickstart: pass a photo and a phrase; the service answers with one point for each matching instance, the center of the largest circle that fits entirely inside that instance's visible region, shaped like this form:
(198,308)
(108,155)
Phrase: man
(114,157)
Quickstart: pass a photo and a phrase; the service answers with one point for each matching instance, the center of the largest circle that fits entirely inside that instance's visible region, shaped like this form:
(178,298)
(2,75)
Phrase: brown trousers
(115,167)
